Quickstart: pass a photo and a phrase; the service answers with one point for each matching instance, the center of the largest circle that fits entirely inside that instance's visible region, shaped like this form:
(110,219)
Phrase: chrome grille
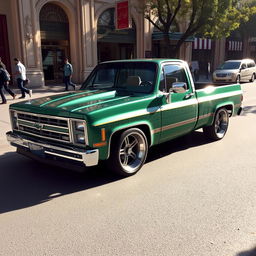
(44,126)
(221,75)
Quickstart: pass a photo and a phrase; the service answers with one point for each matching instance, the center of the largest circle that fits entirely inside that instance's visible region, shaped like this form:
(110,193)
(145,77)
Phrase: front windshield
(230,65)
(129,76)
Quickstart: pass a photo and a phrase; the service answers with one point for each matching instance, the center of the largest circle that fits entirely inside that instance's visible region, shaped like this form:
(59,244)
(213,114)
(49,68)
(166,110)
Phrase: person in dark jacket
(68,71)
(4,82)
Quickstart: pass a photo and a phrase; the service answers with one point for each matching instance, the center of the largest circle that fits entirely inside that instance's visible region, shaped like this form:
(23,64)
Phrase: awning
(235,45)
(202,44)
(174,36)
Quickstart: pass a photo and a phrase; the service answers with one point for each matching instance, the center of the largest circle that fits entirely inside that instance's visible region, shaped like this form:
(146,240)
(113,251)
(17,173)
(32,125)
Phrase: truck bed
(202,85)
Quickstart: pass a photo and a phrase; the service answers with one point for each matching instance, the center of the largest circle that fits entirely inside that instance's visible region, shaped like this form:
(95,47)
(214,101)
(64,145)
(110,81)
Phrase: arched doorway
(54,28)
(113,44)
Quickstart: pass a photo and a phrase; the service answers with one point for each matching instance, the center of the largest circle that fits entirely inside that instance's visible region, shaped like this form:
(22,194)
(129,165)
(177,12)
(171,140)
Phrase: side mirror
(179,87)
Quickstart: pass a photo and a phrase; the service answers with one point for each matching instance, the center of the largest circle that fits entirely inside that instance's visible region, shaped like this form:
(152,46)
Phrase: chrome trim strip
(39,115)
(69,157)
(171,126)
(54,126)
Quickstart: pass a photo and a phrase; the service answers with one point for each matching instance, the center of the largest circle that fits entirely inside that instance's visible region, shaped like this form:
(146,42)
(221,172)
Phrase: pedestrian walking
(21,78)
(68,71)
(4,82)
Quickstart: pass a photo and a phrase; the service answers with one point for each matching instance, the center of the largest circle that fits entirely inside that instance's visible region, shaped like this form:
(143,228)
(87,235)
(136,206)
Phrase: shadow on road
(248,110)
(191,140)
(248,253)
(24,182)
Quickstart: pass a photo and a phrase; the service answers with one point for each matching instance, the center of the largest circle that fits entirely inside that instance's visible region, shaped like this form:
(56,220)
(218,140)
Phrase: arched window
(112,43)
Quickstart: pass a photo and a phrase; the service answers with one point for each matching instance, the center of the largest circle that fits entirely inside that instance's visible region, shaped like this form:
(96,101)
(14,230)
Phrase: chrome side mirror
(179,87)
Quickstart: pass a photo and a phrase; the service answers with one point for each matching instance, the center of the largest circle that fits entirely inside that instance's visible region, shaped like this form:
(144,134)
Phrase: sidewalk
(5,124)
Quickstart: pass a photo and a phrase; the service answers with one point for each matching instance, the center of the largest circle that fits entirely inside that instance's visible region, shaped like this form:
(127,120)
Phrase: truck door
(179,110)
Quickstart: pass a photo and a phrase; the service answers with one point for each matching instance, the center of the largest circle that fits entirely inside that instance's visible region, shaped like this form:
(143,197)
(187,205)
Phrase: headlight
(79,130)
(14,119)
(80,125)
(80,138)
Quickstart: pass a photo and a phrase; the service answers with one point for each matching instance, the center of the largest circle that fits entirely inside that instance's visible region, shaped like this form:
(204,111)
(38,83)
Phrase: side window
(174,73)
(251,65)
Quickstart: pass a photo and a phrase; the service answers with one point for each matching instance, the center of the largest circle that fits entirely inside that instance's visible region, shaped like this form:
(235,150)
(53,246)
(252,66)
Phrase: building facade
(42,32)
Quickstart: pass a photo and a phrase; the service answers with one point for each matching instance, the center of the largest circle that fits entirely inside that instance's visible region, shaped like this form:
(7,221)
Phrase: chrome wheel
(132,152)
(221,123)
(219,127)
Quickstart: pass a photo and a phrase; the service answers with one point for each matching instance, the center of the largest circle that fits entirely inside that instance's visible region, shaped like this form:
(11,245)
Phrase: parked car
(235,71)
(122,109)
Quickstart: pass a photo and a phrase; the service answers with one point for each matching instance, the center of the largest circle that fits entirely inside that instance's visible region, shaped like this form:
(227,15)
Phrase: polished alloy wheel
(221,123)
(132,152)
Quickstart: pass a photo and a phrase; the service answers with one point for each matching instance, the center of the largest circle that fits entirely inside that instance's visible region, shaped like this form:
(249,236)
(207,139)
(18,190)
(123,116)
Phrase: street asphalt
(192,198)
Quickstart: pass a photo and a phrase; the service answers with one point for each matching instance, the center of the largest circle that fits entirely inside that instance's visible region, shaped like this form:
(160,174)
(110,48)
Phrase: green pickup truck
(122,109)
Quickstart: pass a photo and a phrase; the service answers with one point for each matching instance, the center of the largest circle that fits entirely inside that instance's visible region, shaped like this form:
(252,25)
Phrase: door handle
(188,96)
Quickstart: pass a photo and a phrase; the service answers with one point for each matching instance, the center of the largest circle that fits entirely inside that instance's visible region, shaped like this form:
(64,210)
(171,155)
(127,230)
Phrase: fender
(131,125)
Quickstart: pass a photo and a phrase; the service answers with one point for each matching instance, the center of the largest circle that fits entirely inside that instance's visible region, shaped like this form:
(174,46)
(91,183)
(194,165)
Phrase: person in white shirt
(20,73)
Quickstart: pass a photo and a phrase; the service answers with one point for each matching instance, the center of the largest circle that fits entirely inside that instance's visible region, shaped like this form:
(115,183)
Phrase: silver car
(235,71)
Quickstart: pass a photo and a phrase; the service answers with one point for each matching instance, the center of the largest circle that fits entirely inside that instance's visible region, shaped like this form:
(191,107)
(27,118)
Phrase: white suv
(235,71)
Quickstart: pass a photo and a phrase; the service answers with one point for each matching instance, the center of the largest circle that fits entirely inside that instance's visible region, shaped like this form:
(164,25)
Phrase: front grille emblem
(38,126)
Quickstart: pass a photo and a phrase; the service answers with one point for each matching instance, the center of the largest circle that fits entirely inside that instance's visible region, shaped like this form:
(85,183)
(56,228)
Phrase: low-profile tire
(253,78)
(218,129)
(128,152)
(238,79)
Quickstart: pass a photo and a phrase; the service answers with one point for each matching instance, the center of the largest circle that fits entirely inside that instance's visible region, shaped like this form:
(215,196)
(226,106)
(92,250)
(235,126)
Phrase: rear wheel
(129,152)
(219,127)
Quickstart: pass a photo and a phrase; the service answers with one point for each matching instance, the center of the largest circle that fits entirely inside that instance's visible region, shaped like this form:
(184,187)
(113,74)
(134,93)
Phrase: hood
(82,102)
(225,71)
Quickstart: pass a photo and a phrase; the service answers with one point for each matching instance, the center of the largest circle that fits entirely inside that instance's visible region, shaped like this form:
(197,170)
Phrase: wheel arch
(144,127)
(228,105)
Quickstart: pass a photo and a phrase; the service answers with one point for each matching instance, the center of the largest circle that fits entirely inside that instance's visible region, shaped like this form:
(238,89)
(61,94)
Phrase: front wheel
(253,78)
(219,127)
(238,79)
(129,152)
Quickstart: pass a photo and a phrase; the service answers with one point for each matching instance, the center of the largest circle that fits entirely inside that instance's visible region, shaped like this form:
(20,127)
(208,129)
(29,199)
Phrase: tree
(209,18)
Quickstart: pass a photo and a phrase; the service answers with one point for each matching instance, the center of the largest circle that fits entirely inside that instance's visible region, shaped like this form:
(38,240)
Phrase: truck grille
(44,126)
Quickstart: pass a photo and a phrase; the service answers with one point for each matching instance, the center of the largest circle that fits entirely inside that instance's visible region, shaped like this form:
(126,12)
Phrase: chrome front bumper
(86,157)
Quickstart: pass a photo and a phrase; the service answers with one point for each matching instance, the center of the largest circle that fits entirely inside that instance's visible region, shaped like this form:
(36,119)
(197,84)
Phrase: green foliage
(209,18)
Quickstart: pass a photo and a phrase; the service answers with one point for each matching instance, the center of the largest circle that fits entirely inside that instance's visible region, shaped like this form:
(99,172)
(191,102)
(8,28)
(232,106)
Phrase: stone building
(42,32)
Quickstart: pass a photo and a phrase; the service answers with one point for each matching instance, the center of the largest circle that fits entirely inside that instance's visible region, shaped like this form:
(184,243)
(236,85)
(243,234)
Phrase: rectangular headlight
(80,125)
(79,131)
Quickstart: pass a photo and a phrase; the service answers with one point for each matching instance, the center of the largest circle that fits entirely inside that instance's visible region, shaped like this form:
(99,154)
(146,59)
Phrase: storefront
(234,49)
(203,53)
(113,44)
(54,30)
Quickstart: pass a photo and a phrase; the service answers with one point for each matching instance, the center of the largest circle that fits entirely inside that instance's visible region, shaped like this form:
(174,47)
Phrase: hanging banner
(122,15)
